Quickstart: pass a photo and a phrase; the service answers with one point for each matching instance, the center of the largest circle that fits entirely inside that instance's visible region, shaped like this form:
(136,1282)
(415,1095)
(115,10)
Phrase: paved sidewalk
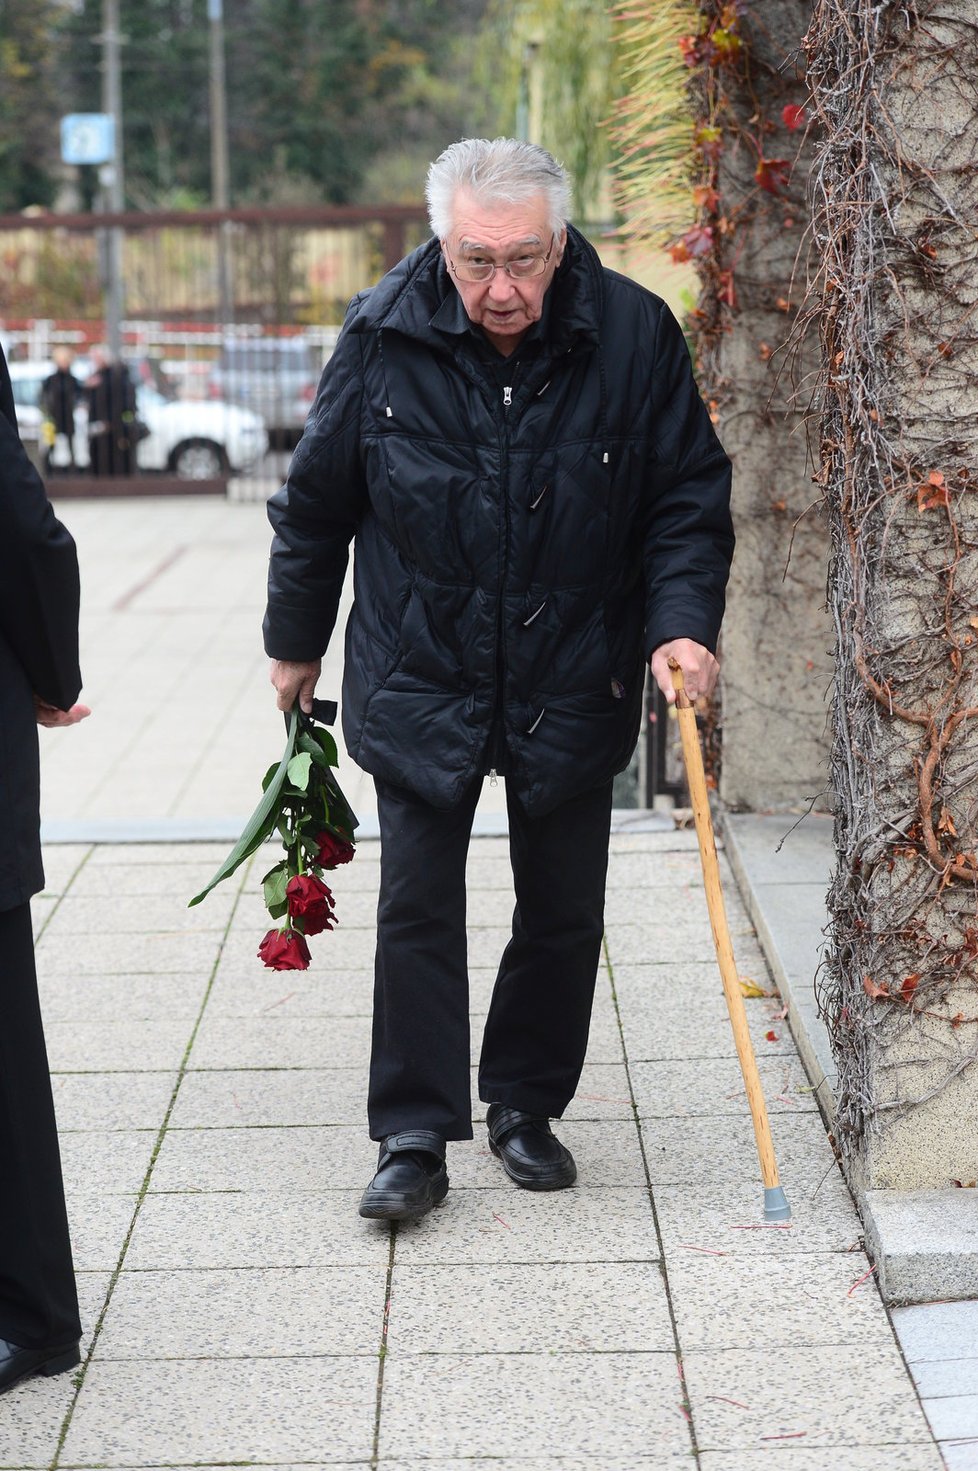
(237,1310)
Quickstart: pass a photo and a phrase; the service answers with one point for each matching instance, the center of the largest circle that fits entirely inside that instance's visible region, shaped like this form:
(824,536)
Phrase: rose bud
(333,850)
(310,901)
(284,950)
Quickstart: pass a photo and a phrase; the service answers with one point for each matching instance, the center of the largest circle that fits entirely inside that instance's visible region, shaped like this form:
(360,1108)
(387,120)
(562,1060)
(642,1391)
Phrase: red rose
(333,850)
(310,901)
(284,950)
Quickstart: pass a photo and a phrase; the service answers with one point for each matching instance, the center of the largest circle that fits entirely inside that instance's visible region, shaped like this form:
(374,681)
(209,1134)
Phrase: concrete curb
(924,1242)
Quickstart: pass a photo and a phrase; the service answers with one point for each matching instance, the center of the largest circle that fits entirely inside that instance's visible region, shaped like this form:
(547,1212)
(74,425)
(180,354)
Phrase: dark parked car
(276,377)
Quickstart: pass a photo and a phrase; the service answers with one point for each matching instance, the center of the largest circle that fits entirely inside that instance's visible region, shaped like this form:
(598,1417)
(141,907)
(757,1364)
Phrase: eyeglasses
(523,268)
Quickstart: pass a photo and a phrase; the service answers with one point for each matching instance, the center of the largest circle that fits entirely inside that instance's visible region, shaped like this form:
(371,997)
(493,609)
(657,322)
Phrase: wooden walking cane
(776,1207)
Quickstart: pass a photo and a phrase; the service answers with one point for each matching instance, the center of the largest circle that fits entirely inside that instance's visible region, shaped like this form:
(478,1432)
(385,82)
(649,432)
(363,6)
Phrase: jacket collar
(418,298)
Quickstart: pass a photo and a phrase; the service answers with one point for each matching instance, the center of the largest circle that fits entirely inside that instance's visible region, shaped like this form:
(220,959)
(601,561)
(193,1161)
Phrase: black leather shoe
(18,1363)
(529,1152)
(411,1177)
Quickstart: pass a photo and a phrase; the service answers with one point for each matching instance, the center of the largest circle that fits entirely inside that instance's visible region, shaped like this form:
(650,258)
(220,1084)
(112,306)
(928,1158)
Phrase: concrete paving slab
(960,1457)
(727,1218)
(251,990)
(63,866)
(135,914)
(642,1388)
(99,1226)
(602,1093)
(239,1098)
(117,1046)
(954,1416)
(668,1089)
(817,1395)
(606,1153)
(498,1223)
(938,1378)
(253,1313)
(156,953)
(529,1308)
(547,1463)
(111,1100)
(180,879)
(121,998)
(245,1410)
(892,1457)
(935,1331)
(103,1162)
(765,1302)
(256,1229)
(203,857)
(31,1420)
(664,1018)
(710,1151)
(309,1159)
(281,1041)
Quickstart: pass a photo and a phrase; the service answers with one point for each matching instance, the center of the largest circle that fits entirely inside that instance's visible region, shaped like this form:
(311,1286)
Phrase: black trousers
(38,1302)
(536,1032)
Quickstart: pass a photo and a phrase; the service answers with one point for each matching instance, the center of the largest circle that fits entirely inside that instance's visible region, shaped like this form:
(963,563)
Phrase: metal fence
(226,320)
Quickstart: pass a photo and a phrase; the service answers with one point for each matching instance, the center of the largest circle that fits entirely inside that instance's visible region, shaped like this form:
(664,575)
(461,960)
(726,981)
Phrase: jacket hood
(416,297)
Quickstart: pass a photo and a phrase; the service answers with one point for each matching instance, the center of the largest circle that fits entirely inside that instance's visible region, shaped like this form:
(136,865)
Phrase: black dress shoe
(411,1177)
(529,1152)
(17,1363)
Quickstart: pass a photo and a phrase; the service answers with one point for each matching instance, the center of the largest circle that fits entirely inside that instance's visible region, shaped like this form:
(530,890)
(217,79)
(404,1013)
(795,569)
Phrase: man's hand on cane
(294,680)
(700,668)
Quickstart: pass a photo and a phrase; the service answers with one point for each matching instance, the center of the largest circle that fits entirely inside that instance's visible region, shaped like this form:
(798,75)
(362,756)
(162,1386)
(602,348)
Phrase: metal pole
(112,104)
(220,171)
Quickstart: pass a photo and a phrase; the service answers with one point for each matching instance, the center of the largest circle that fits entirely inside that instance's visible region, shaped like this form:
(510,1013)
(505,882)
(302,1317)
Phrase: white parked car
(196,440)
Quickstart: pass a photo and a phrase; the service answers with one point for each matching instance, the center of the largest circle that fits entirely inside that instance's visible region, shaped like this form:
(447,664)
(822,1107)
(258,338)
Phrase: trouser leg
(537,1029)
(419,1069)
(38,1302)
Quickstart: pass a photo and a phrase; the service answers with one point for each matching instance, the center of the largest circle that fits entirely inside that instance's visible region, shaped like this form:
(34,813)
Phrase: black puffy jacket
(516,560)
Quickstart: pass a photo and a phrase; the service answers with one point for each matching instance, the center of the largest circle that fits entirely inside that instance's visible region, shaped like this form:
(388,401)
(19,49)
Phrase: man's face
(503,306)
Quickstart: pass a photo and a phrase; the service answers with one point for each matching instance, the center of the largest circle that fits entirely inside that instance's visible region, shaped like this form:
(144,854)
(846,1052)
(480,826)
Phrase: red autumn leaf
(873,991)
(698,241)
(770,1036)
(909,985)
(726,293)
(692,49)
(932,492)
(772,173)
(792,116)
(946,824)
(706,197)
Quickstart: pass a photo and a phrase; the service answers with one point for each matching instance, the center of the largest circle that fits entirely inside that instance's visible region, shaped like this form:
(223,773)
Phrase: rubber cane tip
(776,1207)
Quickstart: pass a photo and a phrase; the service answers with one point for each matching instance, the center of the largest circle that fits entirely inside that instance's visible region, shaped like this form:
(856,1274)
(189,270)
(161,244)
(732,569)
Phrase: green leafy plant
(303,802)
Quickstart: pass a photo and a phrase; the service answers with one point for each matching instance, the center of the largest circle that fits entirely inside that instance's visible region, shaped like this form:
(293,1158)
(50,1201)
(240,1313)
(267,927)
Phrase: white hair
(501,170)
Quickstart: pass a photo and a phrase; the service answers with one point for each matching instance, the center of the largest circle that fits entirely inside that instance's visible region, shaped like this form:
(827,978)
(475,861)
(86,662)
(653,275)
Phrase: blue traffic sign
(87,137)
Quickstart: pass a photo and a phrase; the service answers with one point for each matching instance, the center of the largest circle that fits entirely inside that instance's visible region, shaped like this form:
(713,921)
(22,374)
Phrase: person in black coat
(39,683)
(513,435)
(112,425)
(60,396)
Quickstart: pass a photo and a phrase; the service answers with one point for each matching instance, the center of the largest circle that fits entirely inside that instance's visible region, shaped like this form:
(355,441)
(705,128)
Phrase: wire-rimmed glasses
(522,268)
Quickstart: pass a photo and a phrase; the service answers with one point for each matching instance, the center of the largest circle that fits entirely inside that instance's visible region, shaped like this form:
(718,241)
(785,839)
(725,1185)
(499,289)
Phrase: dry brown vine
(894,298)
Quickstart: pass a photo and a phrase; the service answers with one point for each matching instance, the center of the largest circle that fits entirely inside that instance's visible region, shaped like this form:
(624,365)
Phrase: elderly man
(512,435)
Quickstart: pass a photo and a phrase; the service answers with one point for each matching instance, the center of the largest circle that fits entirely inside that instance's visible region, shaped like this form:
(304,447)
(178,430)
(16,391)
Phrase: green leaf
(298,769)
(262,822)
(328,745)
(274,885)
